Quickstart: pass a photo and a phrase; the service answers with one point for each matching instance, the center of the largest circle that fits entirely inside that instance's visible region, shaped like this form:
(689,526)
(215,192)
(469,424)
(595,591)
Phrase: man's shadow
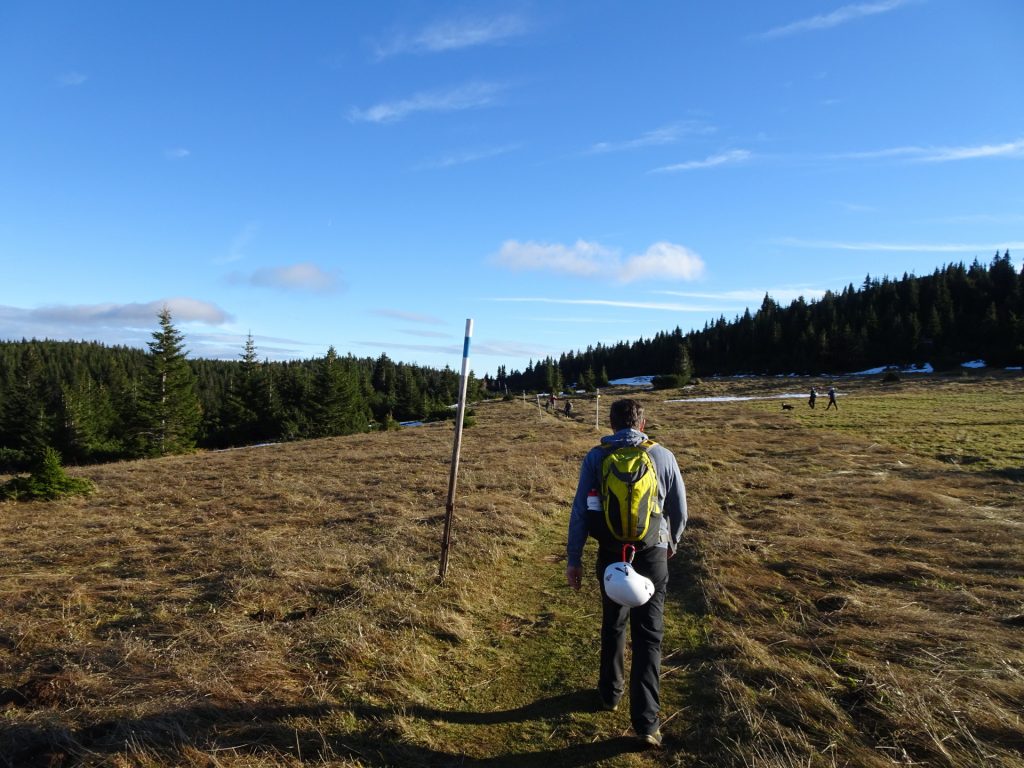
(271,730)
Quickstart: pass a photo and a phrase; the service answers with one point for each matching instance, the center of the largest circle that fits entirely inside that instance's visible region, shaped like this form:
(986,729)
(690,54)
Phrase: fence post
(449,507)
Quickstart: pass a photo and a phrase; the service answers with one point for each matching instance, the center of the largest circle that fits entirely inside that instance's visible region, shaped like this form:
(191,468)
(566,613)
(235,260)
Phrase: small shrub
(47,481)
(669,381)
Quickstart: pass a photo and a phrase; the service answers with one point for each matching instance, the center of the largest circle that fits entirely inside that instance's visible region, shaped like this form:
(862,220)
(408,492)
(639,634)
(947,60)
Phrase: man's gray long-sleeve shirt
(671,492)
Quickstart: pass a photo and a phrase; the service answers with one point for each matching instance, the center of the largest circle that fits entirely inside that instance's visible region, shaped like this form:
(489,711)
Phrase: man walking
(651,560)
(832,399)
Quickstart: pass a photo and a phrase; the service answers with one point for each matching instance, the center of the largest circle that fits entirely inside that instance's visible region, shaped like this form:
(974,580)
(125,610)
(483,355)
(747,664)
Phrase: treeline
(956,314)
(95,403)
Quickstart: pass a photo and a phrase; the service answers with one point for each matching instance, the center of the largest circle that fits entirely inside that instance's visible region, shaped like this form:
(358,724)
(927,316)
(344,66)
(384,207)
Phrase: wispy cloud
(838,17)
(941,154)
(782,295)
(426,334)
(305,277)
(240,242)
(732,157)
(455,34)
(411,317)
(451,349)
(660,306)
(469,156)
(468,96)
(177,153)
(901,247)
(71,79)
(855,207)
(668,134)
(983,218)
(587,259)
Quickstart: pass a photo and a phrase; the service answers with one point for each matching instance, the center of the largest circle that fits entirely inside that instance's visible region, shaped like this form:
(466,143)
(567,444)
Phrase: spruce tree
(26,419)
(170,409)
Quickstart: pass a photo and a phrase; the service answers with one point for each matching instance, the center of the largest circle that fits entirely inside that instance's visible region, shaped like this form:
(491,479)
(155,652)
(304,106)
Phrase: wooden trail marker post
(449,507)
(597,410)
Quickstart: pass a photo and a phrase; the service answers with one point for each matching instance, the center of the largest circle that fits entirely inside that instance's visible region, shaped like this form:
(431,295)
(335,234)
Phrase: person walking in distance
(662,530)
(832,399)
(812,398)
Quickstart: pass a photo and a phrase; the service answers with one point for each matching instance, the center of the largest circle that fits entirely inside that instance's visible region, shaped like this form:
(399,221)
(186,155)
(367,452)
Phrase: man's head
(627,414)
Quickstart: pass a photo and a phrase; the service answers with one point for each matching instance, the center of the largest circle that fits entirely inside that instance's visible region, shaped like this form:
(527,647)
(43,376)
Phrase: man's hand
(574,575)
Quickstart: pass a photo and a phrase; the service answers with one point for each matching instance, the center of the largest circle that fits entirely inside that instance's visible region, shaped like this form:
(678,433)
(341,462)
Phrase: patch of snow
(974,364)
(736,398)
(632,381)
(410,423)
(926,368)
(1013,368)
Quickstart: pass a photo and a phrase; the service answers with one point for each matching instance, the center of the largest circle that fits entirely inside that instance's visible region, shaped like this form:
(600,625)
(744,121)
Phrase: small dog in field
(787,407)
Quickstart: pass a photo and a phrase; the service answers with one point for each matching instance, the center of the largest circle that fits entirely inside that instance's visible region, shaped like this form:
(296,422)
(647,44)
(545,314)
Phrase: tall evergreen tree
(170,410)
(26,419)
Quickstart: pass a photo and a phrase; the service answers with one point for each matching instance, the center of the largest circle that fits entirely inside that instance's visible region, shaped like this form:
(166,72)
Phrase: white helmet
(625,586)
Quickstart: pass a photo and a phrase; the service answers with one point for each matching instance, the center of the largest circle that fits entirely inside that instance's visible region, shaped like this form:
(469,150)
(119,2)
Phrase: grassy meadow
(850,593)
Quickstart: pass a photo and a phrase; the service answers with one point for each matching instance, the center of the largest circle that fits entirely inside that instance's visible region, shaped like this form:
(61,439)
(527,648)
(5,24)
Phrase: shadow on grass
(285,730)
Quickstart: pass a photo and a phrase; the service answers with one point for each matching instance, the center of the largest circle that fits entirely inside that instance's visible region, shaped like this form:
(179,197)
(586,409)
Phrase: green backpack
(629,497)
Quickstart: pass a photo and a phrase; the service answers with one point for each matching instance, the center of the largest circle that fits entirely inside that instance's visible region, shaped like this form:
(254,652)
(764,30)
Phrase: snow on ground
(926,368)
(736,398)
(632,381)
(973,364)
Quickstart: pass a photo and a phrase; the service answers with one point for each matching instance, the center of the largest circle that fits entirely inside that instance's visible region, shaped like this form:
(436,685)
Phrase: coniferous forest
(956,314)
(94,402)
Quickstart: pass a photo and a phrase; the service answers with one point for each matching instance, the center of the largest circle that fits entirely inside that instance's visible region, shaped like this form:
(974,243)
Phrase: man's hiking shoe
(651,740)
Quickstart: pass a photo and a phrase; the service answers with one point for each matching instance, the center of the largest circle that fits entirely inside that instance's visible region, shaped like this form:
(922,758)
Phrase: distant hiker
(656,516)
(832,399)
(814,396)
(568,408)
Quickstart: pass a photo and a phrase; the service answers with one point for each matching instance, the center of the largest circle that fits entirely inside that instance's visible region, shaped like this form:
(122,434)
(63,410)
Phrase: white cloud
(663,260)
(71,79)
(941,154)
(581,258)
(304,277)
(130,324)
(901,247)
(455,34)
(731,157)
(177,153)
(469,156)
(668,134)
(182,310)
(840,16)
(469,96)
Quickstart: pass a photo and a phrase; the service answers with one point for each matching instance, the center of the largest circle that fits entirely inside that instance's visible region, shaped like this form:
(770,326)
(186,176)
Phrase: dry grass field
(850,593)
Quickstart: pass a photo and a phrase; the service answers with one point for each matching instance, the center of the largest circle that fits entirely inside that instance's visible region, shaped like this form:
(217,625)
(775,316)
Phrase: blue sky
(564,173)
